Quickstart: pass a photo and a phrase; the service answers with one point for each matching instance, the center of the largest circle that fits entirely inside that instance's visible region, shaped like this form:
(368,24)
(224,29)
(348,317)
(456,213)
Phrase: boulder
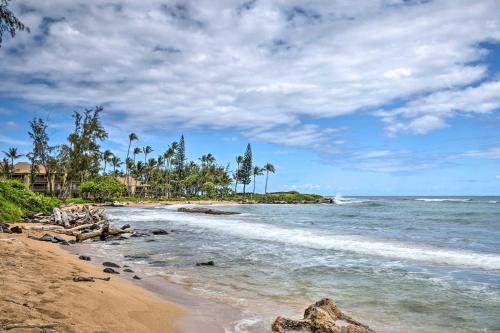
(208,263)
(136,277)
(322,317)
(16,230)
(128,270)
(126,226)
(84,257)
(110,270)
(59,239)
(159,232)
(110,264)
(46,238)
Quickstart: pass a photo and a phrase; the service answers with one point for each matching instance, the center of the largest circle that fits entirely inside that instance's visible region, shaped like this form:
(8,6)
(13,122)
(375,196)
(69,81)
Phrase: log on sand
(32,325)
(102,233)
(43,227)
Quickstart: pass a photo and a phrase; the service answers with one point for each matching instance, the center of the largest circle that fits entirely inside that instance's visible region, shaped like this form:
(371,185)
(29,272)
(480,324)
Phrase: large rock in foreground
(321,317)
(203,210)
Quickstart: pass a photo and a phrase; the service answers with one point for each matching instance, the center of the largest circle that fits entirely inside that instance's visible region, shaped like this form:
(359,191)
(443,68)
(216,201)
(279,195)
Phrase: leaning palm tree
(257,171)
(146,150)
(106,157)
(136,152)
(239,160)
(131,137)
(268,167)
(116,163)
(12,155)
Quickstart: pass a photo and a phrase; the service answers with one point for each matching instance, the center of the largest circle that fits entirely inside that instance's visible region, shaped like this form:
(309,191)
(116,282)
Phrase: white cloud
(428,113)
(13,141)
(266,69)
(488,153)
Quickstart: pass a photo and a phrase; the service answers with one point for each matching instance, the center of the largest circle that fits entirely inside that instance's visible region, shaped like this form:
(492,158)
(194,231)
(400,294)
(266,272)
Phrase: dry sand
(36,286)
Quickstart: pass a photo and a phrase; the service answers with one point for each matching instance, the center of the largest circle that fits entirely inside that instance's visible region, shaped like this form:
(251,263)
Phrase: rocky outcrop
(321,317)
(203,210)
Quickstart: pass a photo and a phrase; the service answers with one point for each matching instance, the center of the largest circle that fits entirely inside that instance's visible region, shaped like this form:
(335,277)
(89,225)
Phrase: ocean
(398,264)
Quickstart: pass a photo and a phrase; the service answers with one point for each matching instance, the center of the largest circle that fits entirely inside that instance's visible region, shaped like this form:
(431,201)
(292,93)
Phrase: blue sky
(379,97)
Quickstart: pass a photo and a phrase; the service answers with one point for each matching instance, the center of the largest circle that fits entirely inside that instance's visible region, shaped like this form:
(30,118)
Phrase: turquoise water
(398,264)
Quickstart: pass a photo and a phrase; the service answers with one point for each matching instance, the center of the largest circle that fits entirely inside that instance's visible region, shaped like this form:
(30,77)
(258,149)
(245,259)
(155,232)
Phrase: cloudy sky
(344,97)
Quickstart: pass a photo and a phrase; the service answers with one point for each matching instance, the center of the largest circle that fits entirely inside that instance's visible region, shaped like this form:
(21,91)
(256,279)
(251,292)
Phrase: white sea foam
(326,241)
(443,200)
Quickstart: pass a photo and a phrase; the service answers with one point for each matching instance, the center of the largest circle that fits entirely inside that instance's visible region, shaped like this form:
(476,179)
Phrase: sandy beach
(36,286)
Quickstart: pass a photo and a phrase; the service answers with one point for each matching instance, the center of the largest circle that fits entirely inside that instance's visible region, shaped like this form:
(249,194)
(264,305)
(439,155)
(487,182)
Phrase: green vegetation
(102,188)
(16,201)
(9,22)
(81,164)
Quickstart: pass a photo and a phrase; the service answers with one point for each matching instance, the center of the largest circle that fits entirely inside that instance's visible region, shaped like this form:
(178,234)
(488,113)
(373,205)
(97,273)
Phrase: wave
(339,200)
(443,200)
(320,240)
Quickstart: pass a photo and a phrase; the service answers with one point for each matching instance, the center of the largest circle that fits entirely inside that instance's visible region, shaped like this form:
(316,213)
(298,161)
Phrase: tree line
(168,174)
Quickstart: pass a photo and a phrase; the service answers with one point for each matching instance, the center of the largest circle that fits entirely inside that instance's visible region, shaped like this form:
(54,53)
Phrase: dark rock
(64,243)
(6,230)
(17,230)
(121,237)
(159,232)
(84,257)
(110,264)
(59,239)
(46,238)
(33,237)
(72,241)
(136,277)
(110,270)
(128,270)
(126,226)
(86,230)
(114,243)
(203,210)
(150,240)
(124,266)
(208,263)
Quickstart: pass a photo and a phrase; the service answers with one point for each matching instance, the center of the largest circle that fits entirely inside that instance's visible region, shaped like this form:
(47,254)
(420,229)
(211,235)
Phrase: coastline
(38,287)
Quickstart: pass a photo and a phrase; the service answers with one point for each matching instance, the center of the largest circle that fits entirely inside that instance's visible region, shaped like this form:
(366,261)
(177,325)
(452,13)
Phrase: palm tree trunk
(126,167)
(267,175)
(104,167)
(253,184)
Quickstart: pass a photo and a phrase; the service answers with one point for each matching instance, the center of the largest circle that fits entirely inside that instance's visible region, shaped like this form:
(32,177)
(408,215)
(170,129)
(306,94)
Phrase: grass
(16,201)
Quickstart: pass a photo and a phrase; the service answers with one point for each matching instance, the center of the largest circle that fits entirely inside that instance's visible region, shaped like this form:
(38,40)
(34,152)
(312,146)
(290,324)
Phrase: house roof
(132,181)
(24,168)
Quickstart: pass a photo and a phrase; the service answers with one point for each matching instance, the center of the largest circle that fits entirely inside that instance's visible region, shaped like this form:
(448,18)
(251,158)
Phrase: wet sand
(36,286)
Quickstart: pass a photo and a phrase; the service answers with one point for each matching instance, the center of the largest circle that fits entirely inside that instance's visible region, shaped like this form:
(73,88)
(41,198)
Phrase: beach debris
(110,270)
(208,263)
(110,264)
(84,257)
(203,210)
(30,325)
(321,317)
(136,277)
(89,278)
(159,232)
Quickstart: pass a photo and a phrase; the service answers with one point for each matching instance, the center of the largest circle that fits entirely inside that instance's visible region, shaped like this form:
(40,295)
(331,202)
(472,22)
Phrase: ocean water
(398,264)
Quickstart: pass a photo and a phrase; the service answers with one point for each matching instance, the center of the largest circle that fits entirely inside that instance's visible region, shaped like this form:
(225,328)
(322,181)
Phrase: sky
(346,97)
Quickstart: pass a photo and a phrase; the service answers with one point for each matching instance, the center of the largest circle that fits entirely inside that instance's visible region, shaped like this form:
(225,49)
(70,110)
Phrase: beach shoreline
(38,288)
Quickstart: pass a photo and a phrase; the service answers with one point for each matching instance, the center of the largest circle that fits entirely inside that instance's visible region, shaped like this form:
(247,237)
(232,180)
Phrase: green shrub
(16,201)
(102,188)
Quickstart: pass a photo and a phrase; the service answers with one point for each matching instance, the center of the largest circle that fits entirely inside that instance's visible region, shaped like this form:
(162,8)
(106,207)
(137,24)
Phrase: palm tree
(239,160)
(268,167)
(106,157)
(146,150)
(116,163)
(12,155)
(257,171)
(169,155)
(136,152)
(131,137)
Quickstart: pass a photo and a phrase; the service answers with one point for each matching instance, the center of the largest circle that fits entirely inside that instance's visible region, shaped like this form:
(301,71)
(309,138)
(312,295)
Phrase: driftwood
(102,233)
(90,278)
(32,325)
(321,317)
(43,227)
(203,210)
(76,230)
